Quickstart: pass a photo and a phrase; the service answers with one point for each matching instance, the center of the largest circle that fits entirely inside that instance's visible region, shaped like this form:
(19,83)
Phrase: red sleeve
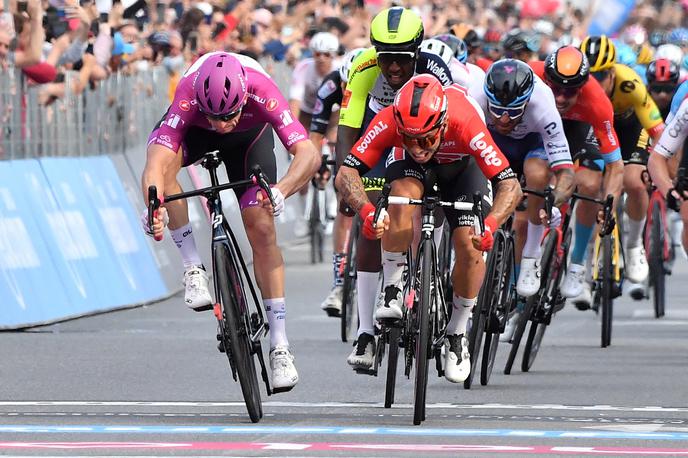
(483,63)
(595,108)
(538,67)
(380,135)
(41,73)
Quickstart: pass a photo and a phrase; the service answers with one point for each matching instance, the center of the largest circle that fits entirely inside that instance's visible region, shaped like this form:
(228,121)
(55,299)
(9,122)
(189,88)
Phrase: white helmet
(670,52)
(347,62)
(438,48)
(324,42)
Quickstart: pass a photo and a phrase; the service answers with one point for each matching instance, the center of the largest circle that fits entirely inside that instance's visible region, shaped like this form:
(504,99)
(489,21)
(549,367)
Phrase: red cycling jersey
(593,107)
(466,135)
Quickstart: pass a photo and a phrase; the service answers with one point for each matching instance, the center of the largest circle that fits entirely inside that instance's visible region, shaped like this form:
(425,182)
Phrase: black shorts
(458,181)
(633,139)
(239,151)
(585,150)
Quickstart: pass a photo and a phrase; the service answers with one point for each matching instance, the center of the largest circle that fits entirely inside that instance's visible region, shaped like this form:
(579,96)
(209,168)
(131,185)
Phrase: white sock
(276,310)
(635,233)
(366,294)
(462,312)
(437,235)
(184,239)
(532,247)
(393,266)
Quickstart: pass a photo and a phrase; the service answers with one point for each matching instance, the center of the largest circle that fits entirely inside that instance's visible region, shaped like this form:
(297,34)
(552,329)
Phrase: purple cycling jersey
(265,104)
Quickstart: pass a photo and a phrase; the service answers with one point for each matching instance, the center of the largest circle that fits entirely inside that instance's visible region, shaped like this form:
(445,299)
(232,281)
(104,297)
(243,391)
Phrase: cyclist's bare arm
(306,162)
(613,179)
(350,185)
(317,139)
(159,161)
(658,166)
(506,199)
(566,183)
(346,137)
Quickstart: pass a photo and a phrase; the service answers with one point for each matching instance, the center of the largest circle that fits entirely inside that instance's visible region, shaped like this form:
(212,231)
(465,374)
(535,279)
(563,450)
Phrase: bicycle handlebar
(153,205)
(261,180)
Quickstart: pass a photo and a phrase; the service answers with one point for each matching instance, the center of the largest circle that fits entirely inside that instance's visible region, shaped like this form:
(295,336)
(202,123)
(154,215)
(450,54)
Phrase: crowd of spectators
(96,38)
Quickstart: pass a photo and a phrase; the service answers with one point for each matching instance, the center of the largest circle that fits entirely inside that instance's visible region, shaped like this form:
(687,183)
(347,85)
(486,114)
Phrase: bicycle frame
(616,255)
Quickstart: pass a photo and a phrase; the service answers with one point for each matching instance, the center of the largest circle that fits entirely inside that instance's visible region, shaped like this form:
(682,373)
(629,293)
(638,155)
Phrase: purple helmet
(220,85)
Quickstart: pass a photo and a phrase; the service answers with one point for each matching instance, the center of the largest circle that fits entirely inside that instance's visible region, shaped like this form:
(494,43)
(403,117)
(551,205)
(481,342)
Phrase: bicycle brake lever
(153,205)
(260,179)
(382,201)
(478,211)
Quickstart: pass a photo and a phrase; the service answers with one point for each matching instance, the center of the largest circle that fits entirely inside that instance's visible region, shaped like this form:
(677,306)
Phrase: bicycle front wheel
(656,260)
(424,333)
(349,287)
(236,339)
(606,294)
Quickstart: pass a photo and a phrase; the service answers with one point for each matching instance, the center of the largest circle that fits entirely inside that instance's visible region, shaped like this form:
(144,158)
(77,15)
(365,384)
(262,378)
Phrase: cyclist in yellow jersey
(637,120)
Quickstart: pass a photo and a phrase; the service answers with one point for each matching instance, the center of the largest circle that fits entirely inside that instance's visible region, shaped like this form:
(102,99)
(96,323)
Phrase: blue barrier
(30,283)
(120,222)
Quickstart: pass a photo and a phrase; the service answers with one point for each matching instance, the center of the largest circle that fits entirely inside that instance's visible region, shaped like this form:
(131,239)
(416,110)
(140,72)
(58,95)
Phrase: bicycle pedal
(203,308)
(333,312)
(362,371)
(390,322)
(282,390)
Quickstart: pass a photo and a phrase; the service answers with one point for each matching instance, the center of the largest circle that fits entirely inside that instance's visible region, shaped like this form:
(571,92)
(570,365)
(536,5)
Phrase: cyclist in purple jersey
(227,102)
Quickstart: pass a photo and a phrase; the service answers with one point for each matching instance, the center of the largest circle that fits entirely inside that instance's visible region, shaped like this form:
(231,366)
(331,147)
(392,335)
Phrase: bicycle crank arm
(264,372)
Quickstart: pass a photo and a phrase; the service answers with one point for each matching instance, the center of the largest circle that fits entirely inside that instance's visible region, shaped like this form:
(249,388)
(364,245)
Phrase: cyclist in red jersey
(586,110)
(444,130)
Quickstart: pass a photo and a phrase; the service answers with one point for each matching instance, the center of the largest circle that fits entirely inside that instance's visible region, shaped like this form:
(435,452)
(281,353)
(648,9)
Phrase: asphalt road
(150,382)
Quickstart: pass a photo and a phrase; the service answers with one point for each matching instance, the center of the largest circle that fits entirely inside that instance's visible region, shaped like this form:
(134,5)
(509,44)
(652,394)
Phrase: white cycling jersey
(541,116)
(305,82)
(675,132)
(469,76)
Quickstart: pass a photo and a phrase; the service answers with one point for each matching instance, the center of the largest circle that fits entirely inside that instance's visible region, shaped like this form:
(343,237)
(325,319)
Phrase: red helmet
(662,71)
(420,105)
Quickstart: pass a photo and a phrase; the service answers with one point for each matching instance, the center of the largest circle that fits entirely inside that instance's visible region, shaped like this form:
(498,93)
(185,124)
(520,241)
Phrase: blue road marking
(339,430)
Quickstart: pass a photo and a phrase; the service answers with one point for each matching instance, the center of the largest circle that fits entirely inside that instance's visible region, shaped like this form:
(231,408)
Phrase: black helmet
(509,82)
(518,41)
(662,71)
(457,45)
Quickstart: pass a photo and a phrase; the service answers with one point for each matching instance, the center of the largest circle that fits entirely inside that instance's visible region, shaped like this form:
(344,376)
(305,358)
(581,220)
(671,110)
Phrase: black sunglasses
(666,88)
(223,118)
(400,59)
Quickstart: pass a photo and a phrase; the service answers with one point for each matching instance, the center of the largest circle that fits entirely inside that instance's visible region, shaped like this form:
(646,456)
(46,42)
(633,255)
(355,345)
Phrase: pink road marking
(331,446)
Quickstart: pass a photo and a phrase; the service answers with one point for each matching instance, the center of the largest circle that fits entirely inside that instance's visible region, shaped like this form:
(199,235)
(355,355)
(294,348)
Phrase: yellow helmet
(645,54)
(600,51)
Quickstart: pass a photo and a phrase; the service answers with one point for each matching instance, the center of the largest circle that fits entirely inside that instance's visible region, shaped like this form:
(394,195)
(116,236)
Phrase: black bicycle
(425,315)
(241,323)
(317,214)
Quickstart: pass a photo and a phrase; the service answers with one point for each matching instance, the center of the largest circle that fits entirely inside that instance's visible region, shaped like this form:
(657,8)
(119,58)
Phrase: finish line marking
(341,430)
(348,447)
(346,405)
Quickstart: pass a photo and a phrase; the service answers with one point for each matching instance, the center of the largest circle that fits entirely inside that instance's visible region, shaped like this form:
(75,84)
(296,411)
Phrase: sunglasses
(567,92)
(322,54)
(666,88)
(600,76)
(223,118)
(424,141)
(512,112)
(401,59)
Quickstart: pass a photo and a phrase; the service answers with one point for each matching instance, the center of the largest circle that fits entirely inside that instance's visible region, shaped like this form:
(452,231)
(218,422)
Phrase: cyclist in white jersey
(467,75)
(524,122)
(307,77)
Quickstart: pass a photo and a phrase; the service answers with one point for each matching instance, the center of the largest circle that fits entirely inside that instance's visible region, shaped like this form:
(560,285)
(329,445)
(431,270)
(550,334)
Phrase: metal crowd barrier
(118,114)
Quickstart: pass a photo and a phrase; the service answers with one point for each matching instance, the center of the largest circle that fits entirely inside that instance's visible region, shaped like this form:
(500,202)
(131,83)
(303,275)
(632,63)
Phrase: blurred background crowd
(95,39)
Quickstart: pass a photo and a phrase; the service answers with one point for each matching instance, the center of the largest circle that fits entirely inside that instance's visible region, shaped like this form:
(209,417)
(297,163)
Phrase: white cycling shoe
(389,304)
(196,294)
(510,327)
(457,359)
(332,305)
(529,278)
(284,375)
(636,264)
(572,285)
(363,354)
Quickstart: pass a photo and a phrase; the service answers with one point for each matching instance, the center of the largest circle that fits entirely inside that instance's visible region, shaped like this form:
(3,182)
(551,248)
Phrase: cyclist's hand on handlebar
(555,221)
(485,241)
(674,199)
(160,219)
(371,229)
(264,201)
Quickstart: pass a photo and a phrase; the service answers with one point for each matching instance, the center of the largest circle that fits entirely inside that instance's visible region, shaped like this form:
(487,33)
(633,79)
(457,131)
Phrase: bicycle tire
(518,335)
(314,223)
(656,261)
(546,292)
(606,293)
(349,286)
(392,363)
(235,328)
(424,333)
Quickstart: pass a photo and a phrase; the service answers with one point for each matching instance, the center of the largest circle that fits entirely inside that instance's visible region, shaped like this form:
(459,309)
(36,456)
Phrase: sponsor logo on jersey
(373,132)
(294,137)
(166,138)
(372,62)
(184,105)
(271,104)
(346,98)
(439,72)
(678,124)
(286,118)
(327,89)
(610,132)
(174,120)
(318,108)
(655,115)
(486,151)
(505,174)
(256,98)
(352,161)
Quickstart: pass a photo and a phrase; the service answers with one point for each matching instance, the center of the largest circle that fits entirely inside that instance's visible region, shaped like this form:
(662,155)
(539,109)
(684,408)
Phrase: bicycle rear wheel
(349,287)
(424,333)
(656,260)
(392,360)
(606,293)
(236,339)
(316,230)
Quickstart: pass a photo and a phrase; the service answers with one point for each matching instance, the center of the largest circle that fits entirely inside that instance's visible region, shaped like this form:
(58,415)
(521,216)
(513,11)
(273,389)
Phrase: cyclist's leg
(634,153)
(458,182)
(590,165)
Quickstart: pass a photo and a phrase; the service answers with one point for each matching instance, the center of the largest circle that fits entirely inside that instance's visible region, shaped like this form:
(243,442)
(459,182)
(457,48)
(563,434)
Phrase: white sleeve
(297,88)
(674,133)
(550,125)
